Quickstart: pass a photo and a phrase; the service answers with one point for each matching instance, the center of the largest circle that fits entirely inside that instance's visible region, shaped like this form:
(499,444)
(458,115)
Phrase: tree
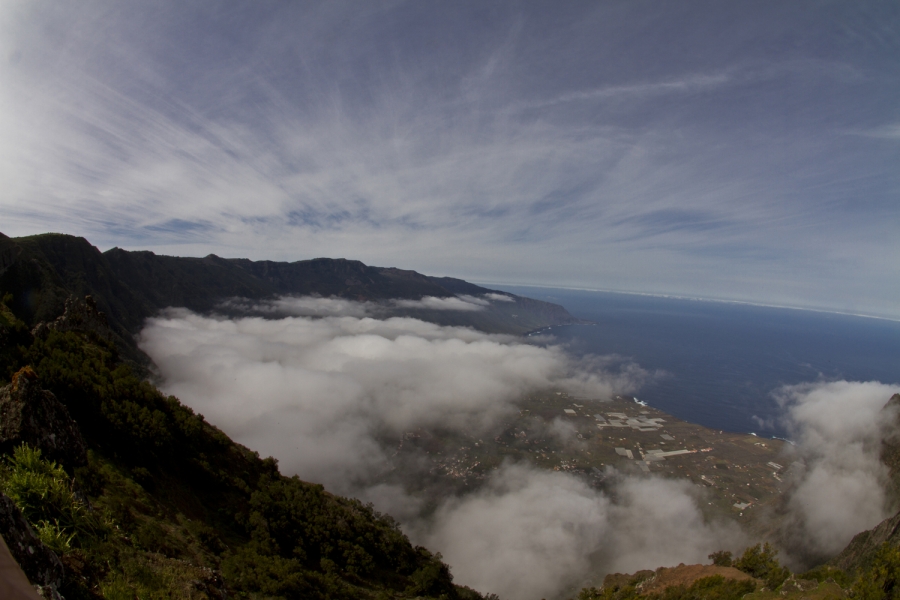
(760,562)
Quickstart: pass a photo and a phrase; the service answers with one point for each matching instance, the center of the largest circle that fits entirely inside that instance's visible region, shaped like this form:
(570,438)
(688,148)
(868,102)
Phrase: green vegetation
(760,562)
(721,558)
(825,573)
(168,506)
(882,578)
(45,494)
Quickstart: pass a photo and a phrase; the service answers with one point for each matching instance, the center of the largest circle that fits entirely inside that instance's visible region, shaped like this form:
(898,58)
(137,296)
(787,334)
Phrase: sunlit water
(723,361)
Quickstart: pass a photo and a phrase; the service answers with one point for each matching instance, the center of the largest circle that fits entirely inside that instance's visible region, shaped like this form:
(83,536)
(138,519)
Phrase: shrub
(761,562)
(823,573)
(882,579)
(45,494)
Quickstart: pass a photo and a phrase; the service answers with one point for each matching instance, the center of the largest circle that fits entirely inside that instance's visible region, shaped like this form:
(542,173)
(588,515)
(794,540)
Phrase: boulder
(30,414)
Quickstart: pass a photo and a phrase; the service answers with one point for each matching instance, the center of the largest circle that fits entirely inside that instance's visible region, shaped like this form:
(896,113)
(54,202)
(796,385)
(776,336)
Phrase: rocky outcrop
(32,415)
(80,315)
(40,564)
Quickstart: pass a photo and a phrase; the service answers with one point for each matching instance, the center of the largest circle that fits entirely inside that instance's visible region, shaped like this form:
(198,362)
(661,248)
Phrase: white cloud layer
(534,534)
(464,302)
(329,394)
(320,394)
(315,392)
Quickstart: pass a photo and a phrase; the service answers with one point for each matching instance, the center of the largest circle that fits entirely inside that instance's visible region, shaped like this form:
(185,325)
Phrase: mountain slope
(163,504)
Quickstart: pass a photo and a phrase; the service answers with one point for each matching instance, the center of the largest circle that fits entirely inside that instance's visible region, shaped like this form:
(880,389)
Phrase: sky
(731,150)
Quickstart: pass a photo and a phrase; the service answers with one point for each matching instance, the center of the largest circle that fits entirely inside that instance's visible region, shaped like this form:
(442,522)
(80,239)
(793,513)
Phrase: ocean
(722,362)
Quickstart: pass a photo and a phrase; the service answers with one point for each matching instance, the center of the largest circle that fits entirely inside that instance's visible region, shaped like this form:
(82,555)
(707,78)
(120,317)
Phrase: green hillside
(163,504)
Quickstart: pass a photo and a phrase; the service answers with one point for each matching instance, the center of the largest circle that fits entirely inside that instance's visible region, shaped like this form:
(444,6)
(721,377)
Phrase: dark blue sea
(722,361)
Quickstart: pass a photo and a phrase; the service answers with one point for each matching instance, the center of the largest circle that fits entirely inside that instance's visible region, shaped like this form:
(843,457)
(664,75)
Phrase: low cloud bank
(534,534)
(451,303)
(322,394)
(329,390)
(318,393)
(839,481)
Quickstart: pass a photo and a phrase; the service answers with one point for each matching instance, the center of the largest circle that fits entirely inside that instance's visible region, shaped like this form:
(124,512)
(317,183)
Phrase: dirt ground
(686,575)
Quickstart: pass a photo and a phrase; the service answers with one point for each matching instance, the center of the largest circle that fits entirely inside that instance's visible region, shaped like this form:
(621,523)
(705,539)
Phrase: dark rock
(40,564)
(32,415)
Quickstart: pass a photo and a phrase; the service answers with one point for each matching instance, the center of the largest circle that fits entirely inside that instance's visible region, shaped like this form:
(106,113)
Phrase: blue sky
(735,150)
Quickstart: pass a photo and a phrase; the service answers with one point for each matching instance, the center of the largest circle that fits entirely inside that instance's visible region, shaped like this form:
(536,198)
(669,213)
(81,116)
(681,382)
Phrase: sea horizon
(724,364)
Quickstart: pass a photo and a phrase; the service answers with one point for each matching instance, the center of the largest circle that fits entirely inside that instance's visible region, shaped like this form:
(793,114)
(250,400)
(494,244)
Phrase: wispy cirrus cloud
(637,91)
(508,150)
(889,131)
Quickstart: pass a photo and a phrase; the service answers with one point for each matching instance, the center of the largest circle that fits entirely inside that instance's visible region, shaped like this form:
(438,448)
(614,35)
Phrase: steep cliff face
(863,548)
(860,552)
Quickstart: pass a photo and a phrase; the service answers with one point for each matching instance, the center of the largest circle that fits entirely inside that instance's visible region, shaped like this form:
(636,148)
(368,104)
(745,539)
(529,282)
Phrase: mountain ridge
(42,271)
